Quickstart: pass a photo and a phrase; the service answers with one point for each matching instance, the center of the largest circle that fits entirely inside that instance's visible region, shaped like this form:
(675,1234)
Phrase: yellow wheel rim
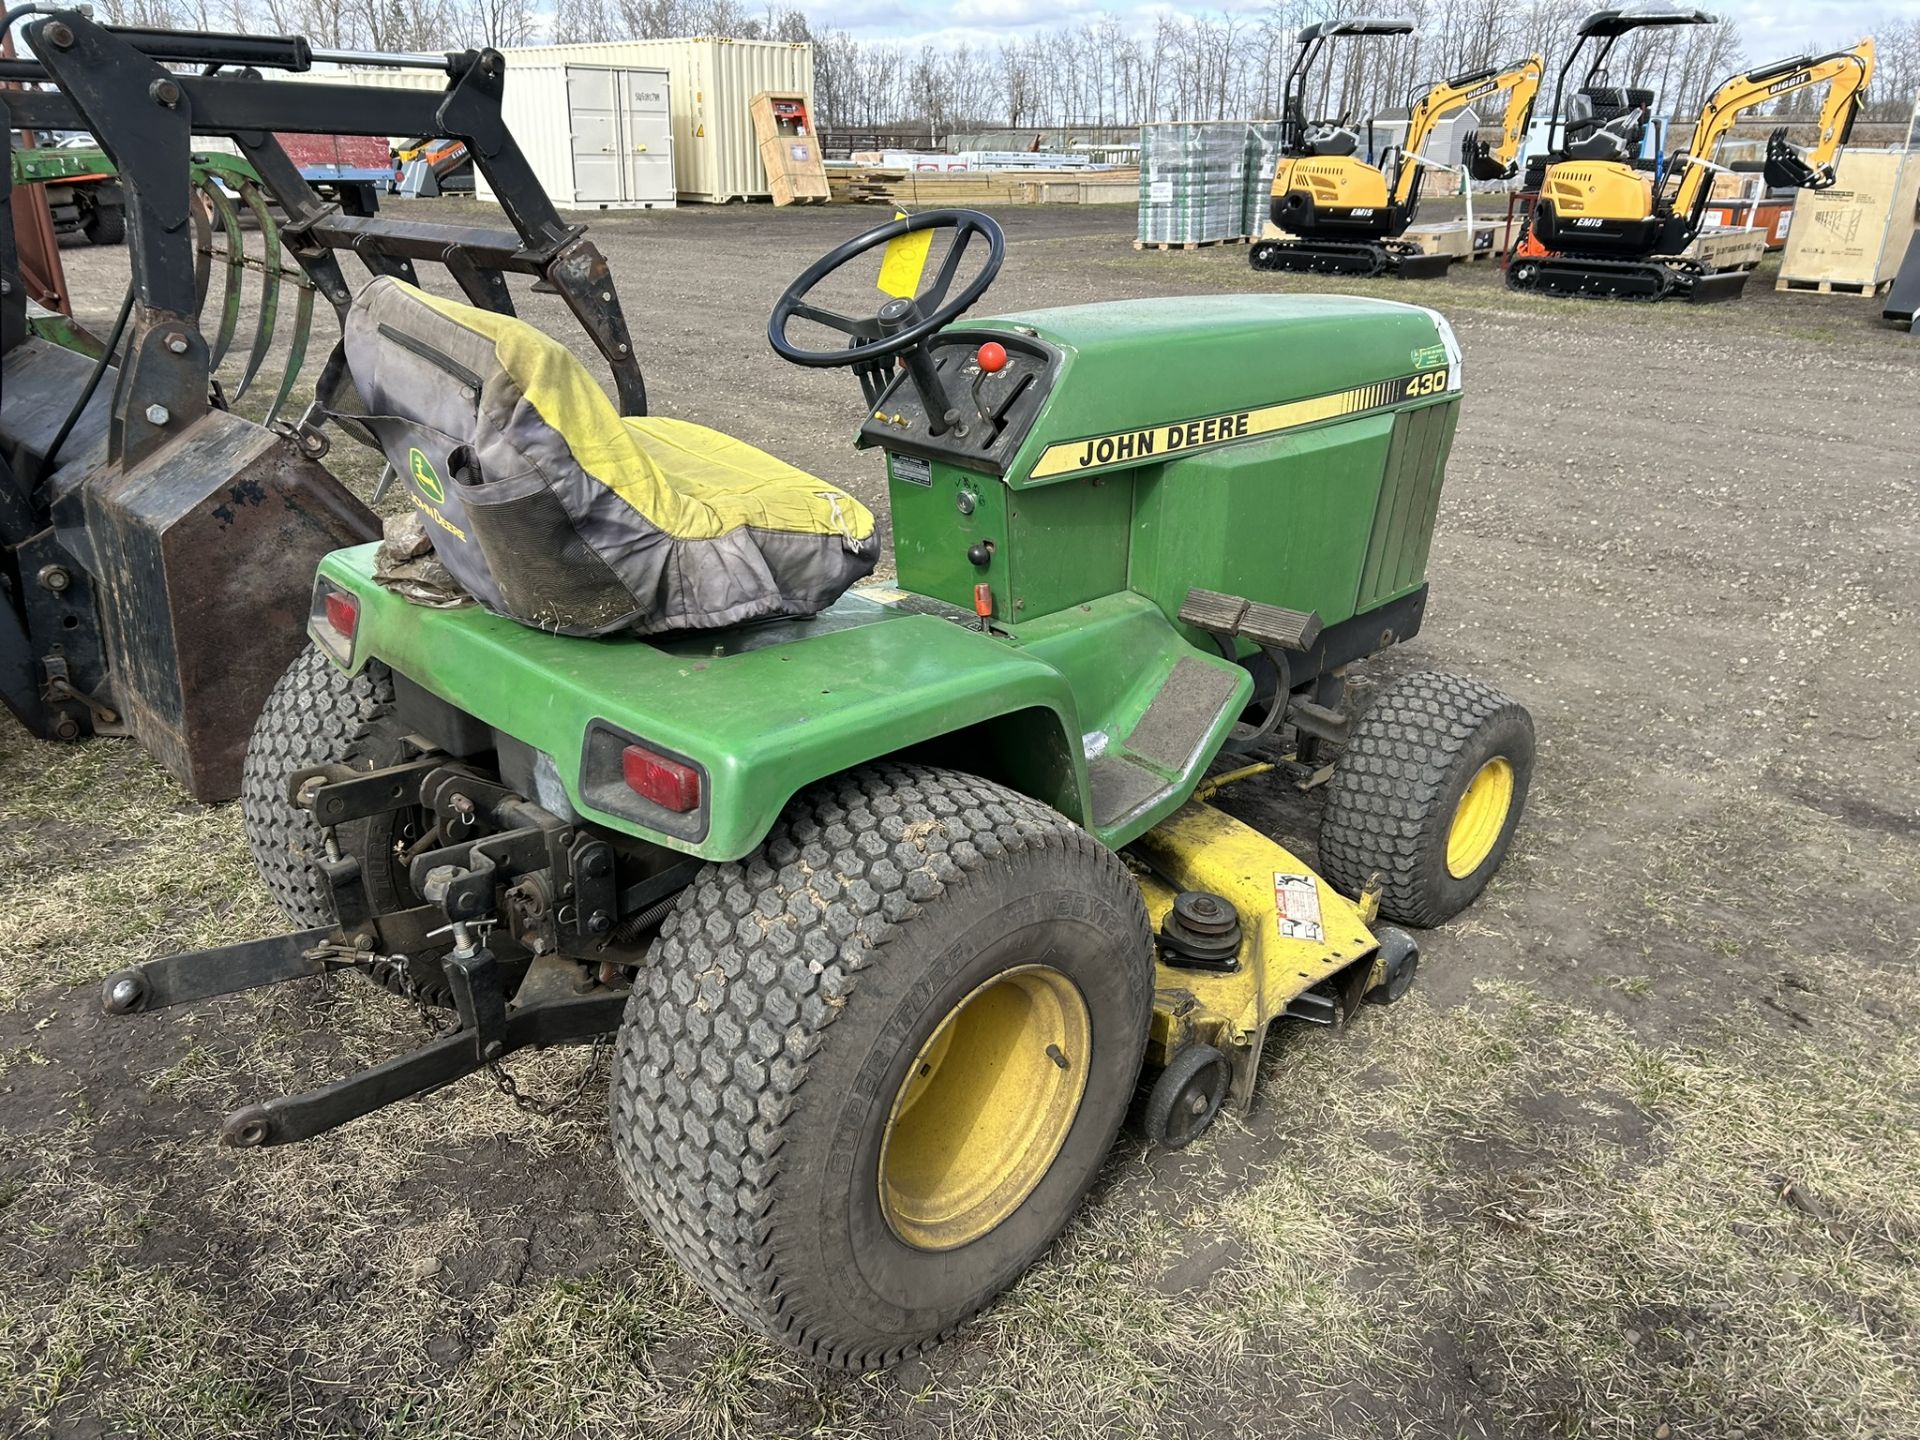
(1479,818)
(985,1109)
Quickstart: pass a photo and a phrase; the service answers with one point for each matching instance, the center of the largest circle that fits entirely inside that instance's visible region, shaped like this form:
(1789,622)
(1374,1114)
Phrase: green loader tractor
(898,898)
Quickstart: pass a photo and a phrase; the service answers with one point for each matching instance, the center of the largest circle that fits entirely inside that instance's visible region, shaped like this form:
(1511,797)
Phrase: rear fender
(761,712)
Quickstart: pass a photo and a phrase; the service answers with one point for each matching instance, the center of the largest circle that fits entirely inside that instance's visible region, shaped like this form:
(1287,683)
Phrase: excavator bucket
(164,493)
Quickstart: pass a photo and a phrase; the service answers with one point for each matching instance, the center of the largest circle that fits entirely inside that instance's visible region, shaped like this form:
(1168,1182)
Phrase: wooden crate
(1452,240)
(1729,249)
(789,148)
(795,173)
(1849,240)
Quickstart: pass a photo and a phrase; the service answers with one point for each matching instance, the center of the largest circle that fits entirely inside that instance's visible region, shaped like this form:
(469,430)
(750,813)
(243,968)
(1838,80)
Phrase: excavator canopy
(1364,25)
(1617,21)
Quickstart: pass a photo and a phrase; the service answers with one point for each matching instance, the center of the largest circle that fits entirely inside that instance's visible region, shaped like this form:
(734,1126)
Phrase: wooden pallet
(1831,287)
(1190,244)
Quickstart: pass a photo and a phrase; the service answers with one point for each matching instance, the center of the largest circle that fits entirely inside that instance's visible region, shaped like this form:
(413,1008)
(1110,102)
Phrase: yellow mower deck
(1297,931)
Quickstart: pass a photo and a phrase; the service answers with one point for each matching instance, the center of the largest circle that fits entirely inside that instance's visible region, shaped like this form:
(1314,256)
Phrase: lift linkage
(517,901)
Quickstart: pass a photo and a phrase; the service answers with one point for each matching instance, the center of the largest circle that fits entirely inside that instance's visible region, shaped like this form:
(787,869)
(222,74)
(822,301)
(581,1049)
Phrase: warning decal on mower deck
(1296,903)
(1129,447)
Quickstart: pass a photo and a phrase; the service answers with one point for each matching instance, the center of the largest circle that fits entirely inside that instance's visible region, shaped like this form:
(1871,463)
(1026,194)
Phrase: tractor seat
(551,508)
(1333,140)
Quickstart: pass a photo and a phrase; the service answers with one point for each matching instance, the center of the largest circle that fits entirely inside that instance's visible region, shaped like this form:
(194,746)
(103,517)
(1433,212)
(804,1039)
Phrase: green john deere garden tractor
(894,893)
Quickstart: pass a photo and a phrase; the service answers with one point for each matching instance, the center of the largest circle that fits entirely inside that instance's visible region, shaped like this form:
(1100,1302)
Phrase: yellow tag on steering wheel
(905,261)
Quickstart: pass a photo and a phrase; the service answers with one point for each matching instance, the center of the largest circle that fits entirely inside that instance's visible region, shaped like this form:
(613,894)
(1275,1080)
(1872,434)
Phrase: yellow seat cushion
(691,482)
(739,484)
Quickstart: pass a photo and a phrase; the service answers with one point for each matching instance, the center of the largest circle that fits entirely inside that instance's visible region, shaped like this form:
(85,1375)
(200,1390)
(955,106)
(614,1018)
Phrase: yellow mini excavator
(1346,216)
(1608,226)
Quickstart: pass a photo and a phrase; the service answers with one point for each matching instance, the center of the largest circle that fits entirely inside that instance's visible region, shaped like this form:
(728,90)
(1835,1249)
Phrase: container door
(648,130)
(593,114)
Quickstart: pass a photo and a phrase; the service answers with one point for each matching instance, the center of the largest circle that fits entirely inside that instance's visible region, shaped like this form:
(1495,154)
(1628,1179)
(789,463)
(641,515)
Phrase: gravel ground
(1638,1159)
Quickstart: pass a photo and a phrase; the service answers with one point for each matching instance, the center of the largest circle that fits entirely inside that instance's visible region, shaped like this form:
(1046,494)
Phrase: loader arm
(1845,72)
(1520,82)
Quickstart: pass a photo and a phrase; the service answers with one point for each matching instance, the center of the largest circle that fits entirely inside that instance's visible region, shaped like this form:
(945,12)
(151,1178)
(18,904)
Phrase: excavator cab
(1599,120)
(1604,123)
(1298,135)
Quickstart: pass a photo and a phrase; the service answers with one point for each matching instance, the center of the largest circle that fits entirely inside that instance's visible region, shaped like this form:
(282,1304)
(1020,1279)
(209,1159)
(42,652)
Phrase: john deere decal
(421,470)
(1167,441)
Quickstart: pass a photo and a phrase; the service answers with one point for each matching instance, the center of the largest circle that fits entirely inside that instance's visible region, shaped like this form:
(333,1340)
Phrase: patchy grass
(102,853)
(1510,1217)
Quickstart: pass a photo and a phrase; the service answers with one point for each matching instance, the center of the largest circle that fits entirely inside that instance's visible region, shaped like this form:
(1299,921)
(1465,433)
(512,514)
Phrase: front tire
(1427,795)
(868,1074)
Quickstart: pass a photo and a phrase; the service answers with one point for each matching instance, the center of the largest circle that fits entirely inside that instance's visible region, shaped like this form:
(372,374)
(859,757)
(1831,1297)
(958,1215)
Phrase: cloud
(1772,29)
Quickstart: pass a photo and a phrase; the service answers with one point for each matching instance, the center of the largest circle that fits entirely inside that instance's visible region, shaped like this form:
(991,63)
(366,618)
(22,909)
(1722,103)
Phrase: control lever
(942,414)
(989,359)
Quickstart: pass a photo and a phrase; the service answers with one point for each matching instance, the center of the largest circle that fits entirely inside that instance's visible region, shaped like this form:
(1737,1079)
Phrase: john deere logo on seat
(422,472)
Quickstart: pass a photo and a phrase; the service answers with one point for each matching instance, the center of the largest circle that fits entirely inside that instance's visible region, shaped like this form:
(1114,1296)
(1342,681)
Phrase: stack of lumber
(932,189)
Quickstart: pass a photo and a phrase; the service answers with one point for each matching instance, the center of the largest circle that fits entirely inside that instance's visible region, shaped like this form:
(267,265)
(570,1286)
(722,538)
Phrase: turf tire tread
(751,968)
(1379,817)
(316,715)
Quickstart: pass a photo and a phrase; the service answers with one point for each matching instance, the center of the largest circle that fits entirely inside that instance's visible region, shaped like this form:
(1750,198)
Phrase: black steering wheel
(901,325)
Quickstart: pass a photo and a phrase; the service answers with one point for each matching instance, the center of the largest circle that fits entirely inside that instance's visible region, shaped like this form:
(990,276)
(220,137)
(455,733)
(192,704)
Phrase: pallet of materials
(1849,240)
(1203,182)
(980,187)
(1106,187)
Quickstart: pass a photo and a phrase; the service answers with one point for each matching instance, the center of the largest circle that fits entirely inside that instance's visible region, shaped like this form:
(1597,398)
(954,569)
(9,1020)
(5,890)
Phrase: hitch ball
(123,993)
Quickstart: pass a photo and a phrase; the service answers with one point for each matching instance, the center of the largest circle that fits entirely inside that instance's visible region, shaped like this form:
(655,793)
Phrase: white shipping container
(598,137)
(716,155)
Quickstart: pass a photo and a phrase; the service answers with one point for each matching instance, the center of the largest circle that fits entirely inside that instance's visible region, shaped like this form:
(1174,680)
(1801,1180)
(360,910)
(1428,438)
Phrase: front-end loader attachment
(163,500)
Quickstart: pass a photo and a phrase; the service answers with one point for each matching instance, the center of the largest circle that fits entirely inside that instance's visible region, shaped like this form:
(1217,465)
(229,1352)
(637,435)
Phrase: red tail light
(667,783)
(343,612)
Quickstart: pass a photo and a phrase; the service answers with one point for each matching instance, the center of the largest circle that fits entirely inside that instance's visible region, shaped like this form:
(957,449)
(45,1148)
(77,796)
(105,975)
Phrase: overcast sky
(1772,30)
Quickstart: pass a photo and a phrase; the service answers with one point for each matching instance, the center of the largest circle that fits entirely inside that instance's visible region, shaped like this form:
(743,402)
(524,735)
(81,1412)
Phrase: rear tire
(798,1072)
(1398,805)
(317,714)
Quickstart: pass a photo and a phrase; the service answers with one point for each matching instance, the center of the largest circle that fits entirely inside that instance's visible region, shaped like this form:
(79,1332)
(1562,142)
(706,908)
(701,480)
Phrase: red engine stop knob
(992,358)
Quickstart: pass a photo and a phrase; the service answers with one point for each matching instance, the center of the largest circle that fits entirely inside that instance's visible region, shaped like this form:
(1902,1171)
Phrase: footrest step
(1279,629)
(1210,610)
(1268,626)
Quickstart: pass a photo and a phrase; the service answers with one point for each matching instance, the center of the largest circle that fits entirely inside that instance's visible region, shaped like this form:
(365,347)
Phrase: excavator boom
(1844,72)
(1520,82)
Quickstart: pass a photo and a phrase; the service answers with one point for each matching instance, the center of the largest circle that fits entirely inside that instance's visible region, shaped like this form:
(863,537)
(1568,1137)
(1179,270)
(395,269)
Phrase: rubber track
(750,969)
(316,715)
(1381,799)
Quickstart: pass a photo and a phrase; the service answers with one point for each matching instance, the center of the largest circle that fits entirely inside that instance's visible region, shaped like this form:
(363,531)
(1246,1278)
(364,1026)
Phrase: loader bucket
(199,559)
